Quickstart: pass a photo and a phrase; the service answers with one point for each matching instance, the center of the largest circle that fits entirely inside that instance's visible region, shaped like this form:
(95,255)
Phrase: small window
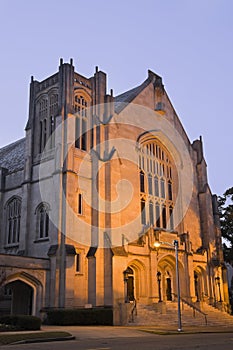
(143,212)
(84,135)
(142,182)
(45,132)
(156,183)
(164,216)
(171,218)
(52,128)
(7,291)
(78,262)
(80,204)
(41,136)
(169,190)
(77,132)
(157,215)
(150,184)
(162,188)
(151,213)
(44,223)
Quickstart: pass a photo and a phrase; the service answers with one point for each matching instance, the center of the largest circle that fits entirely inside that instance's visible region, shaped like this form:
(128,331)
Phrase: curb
(42,340)
(164,332)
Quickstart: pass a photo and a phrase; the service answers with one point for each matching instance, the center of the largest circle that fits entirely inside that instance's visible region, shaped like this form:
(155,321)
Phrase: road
(104,338)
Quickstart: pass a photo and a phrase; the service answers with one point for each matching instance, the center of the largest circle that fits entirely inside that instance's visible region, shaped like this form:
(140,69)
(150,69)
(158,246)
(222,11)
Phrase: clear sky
(189,43)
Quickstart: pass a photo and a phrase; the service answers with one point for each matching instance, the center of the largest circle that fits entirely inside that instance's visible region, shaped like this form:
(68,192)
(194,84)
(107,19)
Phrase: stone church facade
(95,183)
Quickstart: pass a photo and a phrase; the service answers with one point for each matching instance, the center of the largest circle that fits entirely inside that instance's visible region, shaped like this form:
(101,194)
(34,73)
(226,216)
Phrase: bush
(81,317)
(21,322)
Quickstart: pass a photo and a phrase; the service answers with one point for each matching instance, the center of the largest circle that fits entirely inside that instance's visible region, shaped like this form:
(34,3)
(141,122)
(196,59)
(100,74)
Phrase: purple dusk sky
(189,43)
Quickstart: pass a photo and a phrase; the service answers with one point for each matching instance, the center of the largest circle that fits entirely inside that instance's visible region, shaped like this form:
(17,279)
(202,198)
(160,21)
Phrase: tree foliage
(225,204)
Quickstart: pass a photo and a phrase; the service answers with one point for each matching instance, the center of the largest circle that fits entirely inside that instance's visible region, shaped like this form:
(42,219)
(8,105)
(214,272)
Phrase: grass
(188,331)
(7,338)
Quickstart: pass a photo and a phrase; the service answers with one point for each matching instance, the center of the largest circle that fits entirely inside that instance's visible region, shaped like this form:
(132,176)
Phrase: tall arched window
(43,114)
(53,104)
(80,107)
(53,110)
(13,220)
(42,221)
(47,109)
(156,168)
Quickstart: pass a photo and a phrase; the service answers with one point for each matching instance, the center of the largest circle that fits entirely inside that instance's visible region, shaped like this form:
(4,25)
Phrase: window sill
(40,240)
(11,245)
(78,273)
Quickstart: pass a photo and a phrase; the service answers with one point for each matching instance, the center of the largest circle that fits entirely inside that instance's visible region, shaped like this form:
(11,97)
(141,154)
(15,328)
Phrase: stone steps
(166,315)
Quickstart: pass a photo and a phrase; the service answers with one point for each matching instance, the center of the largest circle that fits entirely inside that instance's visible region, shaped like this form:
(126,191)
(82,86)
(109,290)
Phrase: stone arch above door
(140,279)
(167,269)
(25,287)
(200,283)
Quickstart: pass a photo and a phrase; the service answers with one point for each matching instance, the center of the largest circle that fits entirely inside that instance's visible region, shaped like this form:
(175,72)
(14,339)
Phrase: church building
(105,203)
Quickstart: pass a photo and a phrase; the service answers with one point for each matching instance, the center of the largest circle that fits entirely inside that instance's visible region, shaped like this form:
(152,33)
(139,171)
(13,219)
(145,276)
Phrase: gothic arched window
(47,109)
(156,185)
(13,220)
(80,108)
(43,114)
(53,110)
(53,104)
(42,221)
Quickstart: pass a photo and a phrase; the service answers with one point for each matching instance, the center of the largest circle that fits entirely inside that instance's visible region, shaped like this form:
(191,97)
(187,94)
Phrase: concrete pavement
(88,333)
(93,332)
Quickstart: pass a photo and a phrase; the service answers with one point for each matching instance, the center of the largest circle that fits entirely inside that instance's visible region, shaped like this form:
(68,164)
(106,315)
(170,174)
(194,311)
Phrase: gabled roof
(122,100)
(12,156)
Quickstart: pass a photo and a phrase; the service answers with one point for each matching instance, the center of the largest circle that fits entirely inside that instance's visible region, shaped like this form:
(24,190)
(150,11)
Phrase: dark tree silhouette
(225,204)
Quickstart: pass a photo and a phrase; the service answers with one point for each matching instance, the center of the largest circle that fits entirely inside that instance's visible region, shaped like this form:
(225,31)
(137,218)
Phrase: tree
(225,204)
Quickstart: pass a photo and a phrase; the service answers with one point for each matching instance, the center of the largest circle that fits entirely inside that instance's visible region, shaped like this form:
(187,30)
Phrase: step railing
(194,307)
(133,311)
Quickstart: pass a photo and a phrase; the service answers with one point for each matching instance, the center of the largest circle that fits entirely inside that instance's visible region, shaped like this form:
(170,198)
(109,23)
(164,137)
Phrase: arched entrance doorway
(200,284)
(130,284)
(166,284)
(21,297)
(196,287)
(168,288)
(135,282)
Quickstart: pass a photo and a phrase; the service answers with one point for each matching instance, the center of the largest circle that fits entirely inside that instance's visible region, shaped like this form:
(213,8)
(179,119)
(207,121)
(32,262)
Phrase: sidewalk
(82,332)
(104,332)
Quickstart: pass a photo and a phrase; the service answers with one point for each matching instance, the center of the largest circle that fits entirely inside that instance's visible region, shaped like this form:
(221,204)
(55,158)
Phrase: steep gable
(12,156)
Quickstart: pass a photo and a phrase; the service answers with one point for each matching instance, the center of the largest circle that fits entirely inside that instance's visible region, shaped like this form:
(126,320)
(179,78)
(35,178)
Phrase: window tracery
(156,185)
(48,109)
(80,108)
(13,220)
(42,221)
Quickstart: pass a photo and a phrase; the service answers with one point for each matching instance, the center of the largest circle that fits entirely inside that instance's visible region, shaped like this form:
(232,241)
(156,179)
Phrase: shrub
(21,322)
(74,317)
